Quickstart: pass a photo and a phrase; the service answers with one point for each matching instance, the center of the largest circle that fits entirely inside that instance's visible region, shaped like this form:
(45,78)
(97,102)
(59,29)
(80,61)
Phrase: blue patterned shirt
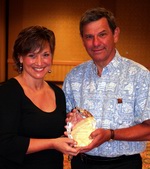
(120,98)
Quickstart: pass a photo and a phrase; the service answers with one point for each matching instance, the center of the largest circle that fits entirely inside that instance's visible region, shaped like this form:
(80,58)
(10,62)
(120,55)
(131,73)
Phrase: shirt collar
(113,65)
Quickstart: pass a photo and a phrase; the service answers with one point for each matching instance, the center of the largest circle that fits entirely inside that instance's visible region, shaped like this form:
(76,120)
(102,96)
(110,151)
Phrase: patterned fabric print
(146,157)
(118,99)
(67,164)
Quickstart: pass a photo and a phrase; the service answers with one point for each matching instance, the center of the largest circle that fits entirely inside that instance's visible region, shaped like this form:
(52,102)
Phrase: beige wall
(134,20)
(63,18)
(60,16)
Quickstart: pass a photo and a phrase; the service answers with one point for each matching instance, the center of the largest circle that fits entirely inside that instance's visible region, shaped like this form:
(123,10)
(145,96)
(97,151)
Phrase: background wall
(60,16)
(63,18)
(134,20)
(2,40)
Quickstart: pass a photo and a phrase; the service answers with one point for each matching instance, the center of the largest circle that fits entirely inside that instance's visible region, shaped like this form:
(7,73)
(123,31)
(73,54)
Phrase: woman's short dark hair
(30,39)
(96,14)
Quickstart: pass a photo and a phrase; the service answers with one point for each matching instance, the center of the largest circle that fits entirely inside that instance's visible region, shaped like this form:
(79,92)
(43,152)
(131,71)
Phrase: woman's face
(37,64)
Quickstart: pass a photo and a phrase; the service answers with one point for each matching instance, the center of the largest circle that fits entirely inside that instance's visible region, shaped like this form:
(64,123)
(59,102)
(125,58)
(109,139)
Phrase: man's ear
(116,34)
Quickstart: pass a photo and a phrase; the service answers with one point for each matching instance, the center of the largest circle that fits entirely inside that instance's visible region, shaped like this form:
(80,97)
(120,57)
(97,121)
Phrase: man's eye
(88,36)
(102,34)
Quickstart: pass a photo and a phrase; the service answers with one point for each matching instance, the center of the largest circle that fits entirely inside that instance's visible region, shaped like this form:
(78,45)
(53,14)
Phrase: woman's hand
(66,146)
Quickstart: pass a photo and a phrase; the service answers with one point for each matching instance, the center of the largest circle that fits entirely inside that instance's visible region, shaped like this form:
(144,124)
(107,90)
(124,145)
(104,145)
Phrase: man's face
(99,41)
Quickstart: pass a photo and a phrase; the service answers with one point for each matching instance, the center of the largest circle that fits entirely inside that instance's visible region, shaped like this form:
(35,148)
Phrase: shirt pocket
(124,112)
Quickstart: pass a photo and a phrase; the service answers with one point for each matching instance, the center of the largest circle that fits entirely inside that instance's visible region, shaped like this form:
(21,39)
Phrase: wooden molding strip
(67,63)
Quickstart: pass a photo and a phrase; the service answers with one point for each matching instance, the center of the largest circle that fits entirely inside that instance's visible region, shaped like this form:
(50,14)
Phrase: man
(116,91)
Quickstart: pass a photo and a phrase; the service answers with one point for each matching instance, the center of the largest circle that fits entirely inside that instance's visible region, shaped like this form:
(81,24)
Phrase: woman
(32,111)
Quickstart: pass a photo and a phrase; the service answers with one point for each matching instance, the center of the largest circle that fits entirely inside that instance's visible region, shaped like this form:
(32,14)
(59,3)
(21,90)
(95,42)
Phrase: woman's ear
(20,59)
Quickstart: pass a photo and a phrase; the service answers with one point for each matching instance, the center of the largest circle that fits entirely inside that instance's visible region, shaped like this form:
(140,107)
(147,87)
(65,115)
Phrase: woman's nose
(38,60)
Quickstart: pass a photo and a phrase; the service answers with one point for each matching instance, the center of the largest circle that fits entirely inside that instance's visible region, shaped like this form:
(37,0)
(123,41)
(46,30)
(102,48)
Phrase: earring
(49,71)
(20,67)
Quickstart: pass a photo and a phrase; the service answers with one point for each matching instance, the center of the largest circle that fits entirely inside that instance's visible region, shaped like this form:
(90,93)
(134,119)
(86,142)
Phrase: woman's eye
(46,55)
(31,55)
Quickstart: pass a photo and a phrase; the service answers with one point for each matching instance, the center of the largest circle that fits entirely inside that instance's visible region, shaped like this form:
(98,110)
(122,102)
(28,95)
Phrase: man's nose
(96,41)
